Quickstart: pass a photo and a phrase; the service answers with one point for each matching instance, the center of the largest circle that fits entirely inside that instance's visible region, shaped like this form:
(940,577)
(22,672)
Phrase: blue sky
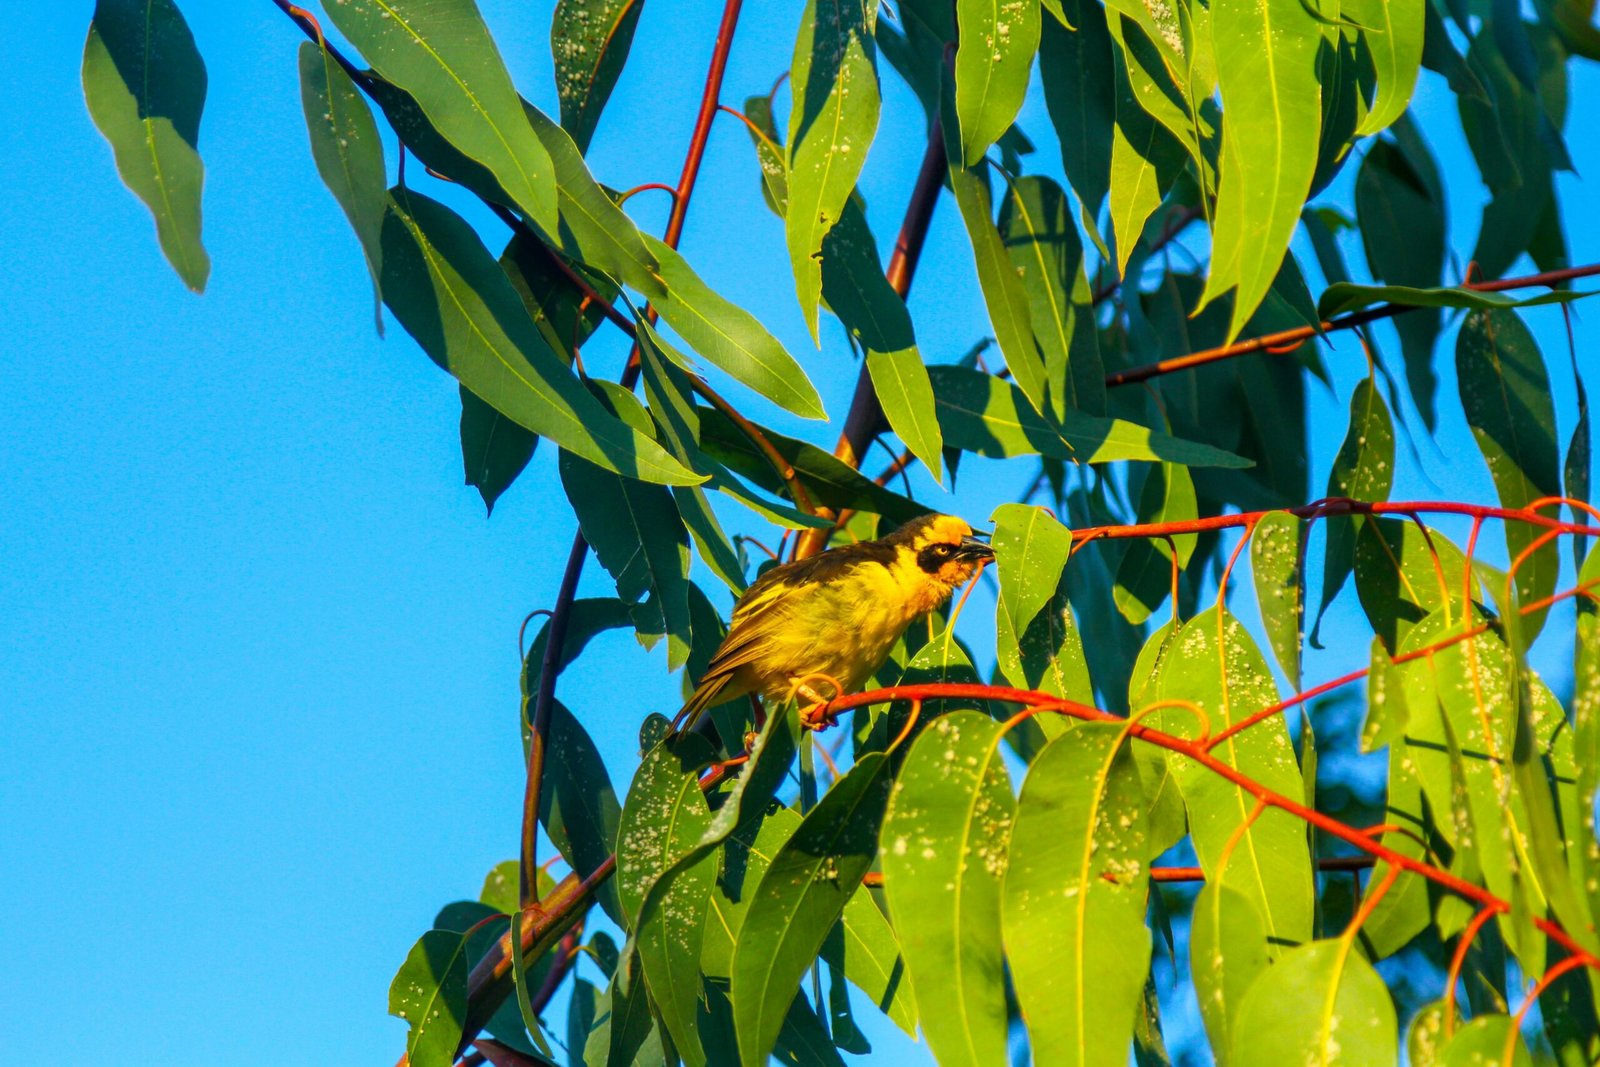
(259,686)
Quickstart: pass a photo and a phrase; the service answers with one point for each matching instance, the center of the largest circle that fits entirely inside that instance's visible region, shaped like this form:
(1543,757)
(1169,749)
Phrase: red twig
(1293,338)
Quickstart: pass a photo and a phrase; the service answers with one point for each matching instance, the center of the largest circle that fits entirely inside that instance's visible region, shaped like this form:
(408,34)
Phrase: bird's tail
(707,694)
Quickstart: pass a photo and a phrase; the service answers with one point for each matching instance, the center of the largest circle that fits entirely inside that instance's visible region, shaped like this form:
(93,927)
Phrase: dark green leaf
(494,449)
(997,41)
(577,806)
(440,52)
(1363,470)
(1505,391)
(1074,897)
(984,414)
(802,894)
(1342,297)
(430,993)
(589,40)
(1401,576)
(943,853)
(637,535)
(145,85)
(1080,91)
(834,78)
(349,156)
(449,294)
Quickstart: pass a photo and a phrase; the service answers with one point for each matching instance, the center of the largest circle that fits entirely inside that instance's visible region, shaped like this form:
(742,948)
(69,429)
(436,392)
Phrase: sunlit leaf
(1505,391)
(997,41)
(145,85)
(1266,57)
(1145,160)
(1228,951)
(1074,897)
(1322,1004)
(1404,574)
(1277,568)
(949,818)
(1484,1040)
(440,52)
(802,894)
(589,40)
(1393,35)
(834,78)
(1030,548)
(430,993)
(449,294)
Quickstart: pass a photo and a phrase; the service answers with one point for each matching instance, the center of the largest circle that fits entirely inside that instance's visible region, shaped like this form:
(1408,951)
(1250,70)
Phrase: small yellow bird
(834,617)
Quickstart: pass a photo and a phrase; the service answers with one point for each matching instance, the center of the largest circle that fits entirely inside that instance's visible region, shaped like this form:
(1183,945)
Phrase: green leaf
(803,1041)
(348,154)
(1483,1040)
(588,617)
(871,961)
(1079,78)
(494,449)
(577,806)
(1167,821)
(1043,247)
(593,228)
(1321,1004)
(1505,391)
(665,814)
(1228,951)
(993,60)
(1030,550)
(1145,161)
(1214,664)
(589,41)
(1342,297)
(625,1033)
(943,854)
(449,294)
(854,286)
(1074,897)
(1277,569)
(834,79)
(1145,575)
(1401,576)
(1266,55)
(986,415)
(801,896)
(430,993)
(730,338)
(1363,470)
(440,52)
(1404,912)
(1393,34)
(830,482)
(638,536)
(145,86)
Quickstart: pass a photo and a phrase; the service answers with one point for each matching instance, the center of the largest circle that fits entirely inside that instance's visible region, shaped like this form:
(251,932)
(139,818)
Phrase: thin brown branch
(1286,340)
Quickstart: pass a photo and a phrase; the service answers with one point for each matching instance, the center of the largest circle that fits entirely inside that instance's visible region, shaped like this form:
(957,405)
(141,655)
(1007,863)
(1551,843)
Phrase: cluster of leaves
(1000,914)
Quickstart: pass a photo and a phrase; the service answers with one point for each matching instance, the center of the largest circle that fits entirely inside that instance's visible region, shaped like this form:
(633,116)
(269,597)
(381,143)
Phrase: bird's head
(942,547)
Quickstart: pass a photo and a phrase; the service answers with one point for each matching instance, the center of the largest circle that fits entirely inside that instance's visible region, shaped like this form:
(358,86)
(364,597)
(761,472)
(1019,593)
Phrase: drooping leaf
(1505,391)
(1277,568)
(1321,1004)
(638,536)
(949,818)
(666,903)
(1228,951)
(589,40)
(1363,470)
(1145,161)
(1404,574)
(593,229)
(494,450)
(430,993)
(834,78)
(1074,897)
(449,294)
(1043,246)
(730,338)
(1080,85)
(998,39)
(1145,575)
(1342,297)
(800,898)
(348,154)
(1393,36)
(1030,548)
(578,807)
(1214,665)
(1266,55)
(145,86)
(440,52)
(986,415)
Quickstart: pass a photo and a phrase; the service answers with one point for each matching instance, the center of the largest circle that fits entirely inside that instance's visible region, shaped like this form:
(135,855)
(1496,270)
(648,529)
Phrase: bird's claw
(818,716)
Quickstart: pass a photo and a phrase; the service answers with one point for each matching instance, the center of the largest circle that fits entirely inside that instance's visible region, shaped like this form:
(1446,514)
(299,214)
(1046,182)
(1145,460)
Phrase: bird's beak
(972,548)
